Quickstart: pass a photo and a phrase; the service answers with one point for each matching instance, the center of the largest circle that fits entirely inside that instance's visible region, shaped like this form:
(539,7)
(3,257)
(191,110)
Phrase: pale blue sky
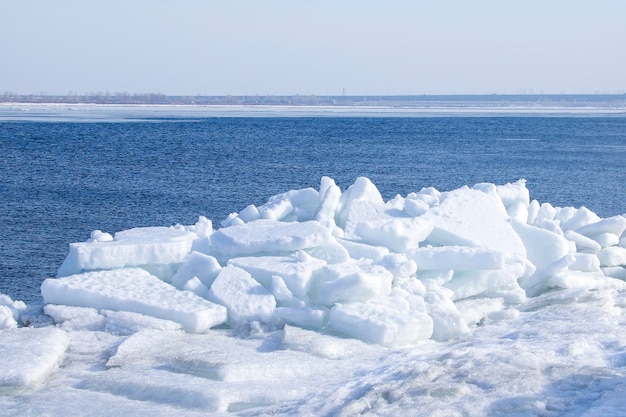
(189,47)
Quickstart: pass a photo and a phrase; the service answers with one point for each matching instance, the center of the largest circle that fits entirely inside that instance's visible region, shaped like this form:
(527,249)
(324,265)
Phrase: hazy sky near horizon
(323,47)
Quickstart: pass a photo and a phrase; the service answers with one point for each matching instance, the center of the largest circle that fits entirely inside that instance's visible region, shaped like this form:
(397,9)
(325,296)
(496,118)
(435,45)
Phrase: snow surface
(471,302)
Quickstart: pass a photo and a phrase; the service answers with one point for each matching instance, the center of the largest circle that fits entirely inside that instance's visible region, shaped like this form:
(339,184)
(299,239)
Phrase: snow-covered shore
(475,301)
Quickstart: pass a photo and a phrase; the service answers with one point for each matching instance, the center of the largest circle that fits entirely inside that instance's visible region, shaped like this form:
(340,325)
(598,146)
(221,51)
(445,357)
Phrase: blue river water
(61,180)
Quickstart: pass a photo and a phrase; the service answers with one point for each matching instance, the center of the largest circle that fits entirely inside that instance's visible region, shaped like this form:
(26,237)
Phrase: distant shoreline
(392,101)
(93,112)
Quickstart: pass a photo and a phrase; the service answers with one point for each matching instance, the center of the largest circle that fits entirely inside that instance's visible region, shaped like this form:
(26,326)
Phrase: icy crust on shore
(391,273)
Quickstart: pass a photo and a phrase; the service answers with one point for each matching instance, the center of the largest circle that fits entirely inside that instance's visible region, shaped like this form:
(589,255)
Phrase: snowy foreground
(471,302)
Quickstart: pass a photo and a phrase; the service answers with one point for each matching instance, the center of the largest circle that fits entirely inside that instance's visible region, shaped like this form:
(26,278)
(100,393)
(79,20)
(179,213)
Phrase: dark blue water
(60,181)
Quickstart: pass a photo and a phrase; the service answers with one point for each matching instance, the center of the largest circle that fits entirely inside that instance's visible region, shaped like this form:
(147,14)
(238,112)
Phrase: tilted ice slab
(475,218)
(134,290)
(245,299)
(397,234)
(456,257)
(351,282)
(133,247)
(296,270)
(380,324)
(29,355)
(9,311)
(268,236)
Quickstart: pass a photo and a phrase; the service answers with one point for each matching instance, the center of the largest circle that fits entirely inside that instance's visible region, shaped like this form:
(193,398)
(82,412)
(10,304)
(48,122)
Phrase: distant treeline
(575,100)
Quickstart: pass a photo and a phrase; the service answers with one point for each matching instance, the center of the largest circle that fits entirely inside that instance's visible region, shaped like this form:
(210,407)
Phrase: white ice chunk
(10,311)
(447,320)
(613,256)
(488,283)
(549,225)
(329,195)
(615,225)
(514,294)
(435,277)
(269,236)
(585,262)
(284,296)
(467,217)
(296,270)
(133,247)
(360,211)
(586,280)
(399,265)
(514,193)
(250,213)
(128,323)
(232,220)
(75,318)
(7,321)
(28,355)
(305,203)
(196,286)
(332,252)
(537,283)
(563,214)
(203,228)
(415,206)
(113,322)
(359,250)
(164,272)
(428,195)
(360,201)
(350,282)
(487,188)
(245,299)
(100,236)
(606,239)
(618,272)
(583,217)
(197,265)
(412,291)
(473,310)
(518,211)
(456,257)
(299,205)
(312,318)
(583,243)
(533,210)
(277,208)
(546,212)
(397,234)
(542,247)
(134,290)
(380,324)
